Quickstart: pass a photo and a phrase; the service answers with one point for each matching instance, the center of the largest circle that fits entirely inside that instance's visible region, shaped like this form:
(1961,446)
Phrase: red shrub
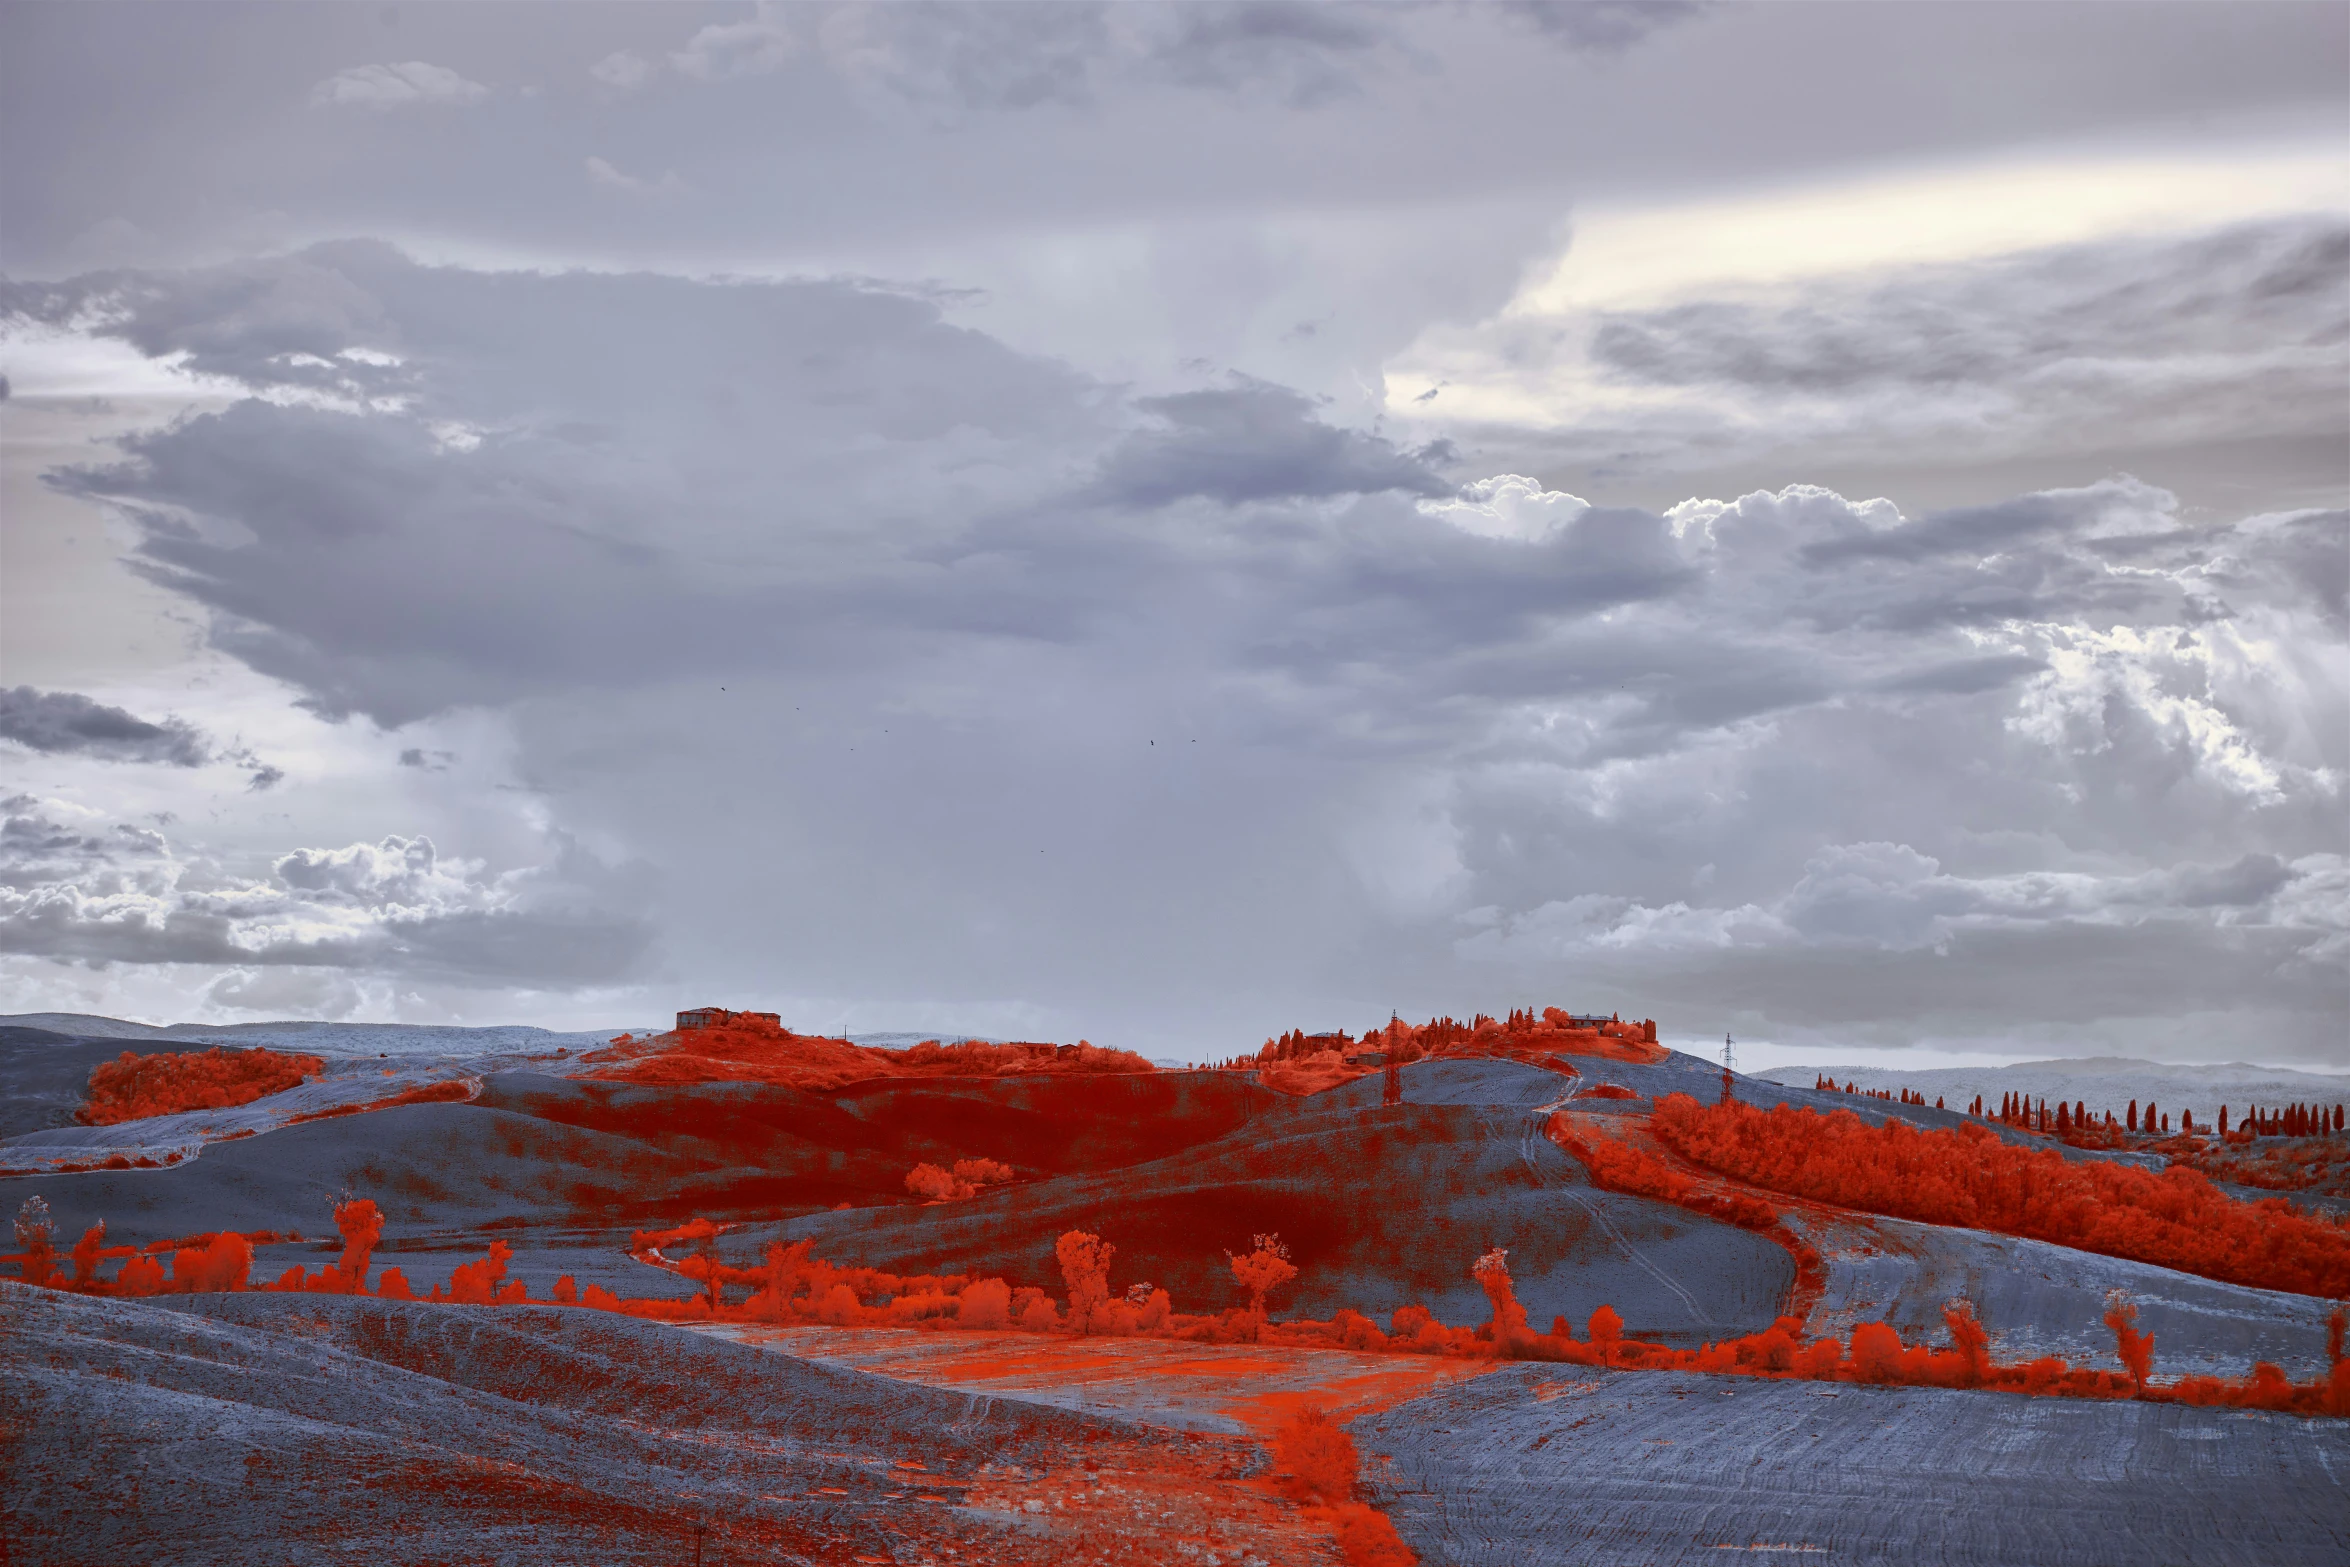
(130,1087)
(963,1181)
(1315,1458)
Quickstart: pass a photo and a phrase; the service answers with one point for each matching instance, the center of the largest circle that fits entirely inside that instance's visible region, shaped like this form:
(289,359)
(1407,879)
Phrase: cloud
(1509,506)
(1887,897)
(1252,441)
(622,71)
(77,889)
(604,174)
(1299,54)
(402,86)
(723,50)
(68,723)
(1017,56)
(1602,27)
(2123,341)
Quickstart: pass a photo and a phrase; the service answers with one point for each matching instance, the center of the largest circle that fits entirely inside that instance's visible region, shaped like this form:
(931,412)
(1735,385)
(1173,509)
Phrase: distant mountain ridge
(318,1037)
(2101,1082)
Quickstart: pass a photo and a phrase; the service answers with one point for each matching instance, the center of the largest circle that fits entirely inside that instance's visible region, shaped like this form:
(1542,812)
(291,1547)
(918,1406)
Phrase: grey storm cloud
(66,722)
(2239,333)
(1253,442)
(925,666)
(1602,26)
(1295,53)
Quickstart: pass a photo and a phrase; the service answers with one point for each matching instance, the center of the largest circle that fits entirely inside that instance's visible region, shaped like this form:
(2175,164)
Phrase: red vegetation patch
(797,1287)
(749,1052)
(2307,1164)
(130,1087)
(1302,1063)
(1620,1167)
(1607,1091)
(427,1094)
(1968,1177)
(956,1184)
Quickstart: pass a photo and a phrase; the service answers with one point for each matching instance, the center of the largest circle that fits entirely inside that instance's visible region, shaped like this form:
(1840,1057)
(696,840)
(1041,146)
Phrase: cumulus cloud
(76,888)
(1509,506)
(66,722)
(407,85)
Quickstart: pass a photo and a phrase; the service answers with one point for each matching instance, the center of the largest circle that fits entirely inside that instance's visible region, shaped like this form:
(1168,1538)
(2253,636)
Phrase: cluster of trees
(962,1181)
(1909,1096)
(1969,1177)
(977,1058)
(793,1285)
(1404,1042)
(2077,1123)
(2295,1120)
(133,1087)
(762,1053)
(195,1264)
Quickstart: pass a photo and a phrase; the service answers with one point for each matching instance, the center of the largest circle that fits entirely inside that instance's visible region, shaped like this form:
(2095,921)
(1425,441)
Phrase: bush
(1315,1458)
(130,1087)
(986,1304)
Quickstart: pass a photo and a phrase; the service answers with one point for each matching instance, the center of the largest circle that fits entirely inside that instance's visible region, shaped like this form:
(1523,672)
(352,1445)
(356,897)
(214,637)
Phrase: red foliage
(1315,1458)
(1618,1166)
(1607,1091)
(36,1257)
(1968,1177)
(1492,1273)
(1606,1331)
(1302,1063)
(1263,1270)
(1367,1539)
(92,1250)
(1085,1267)
(131,1087)
(476,1283)
(1970,1340)
(963,1181)
(2135,1348)
(749,1051)
(223,1264)
(361,1226)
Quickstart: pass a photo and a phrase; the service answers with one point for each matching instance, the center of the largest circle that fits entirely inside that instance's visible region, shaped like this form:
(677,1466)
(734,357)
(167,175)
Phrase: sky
(1170,523)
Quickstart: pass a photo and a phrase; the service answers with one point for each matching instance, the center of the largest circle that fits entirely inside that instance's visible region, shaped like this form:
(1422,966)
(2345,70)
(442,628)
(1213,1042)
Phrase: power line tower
(1729,1070)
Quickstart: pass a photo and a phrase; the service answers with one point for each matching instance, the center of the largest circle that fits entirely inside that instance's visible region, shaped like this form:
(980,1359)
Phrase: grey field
(1565,1466)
